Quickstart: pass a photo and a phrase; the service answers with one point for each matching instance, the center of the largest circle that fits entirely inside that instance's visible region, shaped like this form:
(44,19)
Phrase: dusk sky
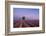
(29,13)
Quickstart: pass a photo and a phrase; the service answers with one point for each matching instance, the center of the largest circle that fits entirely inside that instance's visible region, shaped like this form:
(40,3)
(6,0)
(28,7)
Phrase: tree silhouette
(23,18)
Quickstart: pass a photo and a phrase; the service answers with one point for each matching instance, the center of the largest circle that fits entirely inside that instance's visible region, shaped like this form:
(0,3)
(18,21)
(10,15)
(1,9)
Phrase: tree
(23,18)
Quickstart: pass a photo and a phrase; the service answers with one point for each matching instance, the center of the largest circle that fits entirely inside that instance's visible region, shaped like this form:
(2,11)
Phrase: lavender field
(26,23)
